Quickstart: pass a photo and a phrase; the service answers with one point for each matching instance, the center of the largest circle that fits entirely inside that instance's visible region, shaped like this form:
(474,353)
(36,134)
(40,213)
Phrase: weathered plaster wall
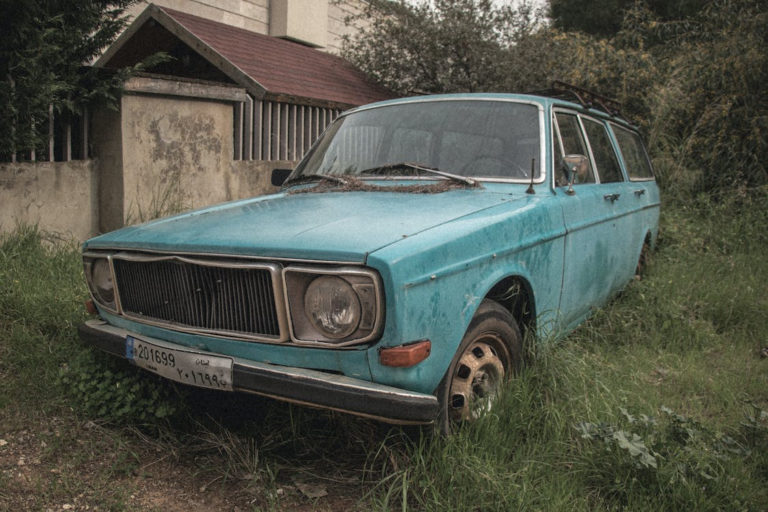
(59,197)
(254,178)
(107,148)
(161,154)
(177,154)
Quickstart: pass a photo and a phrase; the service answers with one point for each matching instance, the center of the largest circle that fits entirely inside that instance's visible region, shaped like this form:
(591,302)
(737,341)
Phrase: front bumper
(298,385)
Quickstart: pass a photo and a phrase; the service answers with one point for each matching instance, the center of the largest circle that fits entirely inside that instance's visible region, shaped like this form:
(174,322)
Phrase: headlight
(98,274)
(332,306)
(341,306)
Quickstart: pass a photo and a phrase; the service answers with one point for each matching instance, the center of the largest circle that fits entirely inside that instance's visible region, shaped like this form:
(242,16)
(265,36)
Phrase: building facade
(318,23)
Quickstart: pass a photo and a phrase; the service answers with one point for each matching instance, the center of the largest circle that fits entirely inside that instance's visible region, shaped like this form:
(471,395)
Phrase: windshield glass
(483,139)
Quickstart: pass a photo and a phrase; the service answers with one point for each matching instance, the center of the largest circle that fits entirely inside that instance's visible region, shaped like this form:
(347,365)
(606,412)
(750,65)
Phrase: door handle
(639,192)
(611,197)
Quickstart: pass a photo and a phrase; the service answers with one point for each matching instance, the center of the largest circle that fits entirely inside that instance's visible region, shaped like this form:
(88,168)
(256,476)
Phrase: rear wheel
(642,260)
(489,355)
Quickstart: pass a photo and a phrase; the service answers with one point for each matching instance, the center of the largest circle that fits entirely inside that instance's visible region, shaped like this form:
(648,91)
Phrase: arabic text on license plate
(195,368)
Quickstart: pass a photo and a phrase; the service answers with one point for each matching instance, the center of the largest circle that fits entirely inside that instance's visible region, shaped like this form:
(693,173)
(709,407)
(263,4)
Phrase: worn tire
(489,354)
(642,261)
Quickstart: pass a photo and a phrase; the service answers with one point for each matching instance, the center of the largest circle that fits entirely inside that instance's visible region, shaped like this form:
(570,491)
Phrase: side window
(572,143)
(602,150)
(635,157)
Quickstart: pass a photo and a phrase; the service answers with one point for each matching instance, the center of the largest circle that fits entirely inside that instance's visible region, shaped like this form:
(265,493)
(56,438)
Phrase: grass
(656,403)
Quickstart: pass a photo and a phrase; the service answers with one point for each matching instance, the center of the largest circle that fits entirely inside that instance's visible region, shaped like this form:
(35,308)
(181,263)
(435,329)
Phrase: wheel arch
(514,293)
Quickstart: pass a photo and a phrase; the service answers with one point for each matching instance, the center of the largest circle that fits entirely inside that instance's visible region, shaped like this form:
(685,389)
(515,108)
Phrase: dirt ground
(61,463)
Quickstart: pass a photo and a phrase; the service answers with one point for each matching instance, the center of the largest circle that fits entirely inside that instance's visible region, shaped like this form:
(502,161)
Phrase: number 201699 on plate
(194,368)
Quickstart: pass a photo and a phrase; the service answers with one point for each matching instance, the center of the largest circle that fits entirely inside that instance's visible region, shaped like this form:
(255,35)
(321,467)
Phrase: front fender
(436,281)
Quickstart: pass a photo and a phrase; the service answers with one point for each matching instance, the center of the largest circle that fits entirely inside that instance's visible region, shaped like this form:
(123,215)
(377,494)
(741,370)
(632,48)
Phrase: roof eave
(174,27)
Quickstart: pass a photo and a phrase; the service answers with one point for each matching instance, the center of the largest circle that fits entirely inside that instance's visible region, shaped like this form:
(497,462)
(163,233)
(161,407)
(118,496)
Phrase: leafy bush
(105,388)
(668,459)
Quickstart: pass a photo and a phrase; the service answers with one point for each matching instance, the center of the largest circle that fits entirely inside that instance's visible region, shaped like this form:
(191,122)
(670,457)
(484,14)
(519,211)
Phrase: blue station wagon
(400,267)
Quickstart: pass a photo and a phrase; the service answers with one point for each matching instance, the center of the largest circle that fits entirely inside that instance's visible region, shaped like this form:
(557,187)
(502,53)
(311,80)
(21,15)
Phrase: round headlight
(332,306)
(101,277)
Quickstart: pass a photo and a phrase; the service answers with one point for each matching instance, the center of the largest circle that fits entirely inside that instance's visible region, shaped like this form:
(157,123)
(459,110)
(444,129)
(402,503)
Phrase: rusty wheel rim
(477,378)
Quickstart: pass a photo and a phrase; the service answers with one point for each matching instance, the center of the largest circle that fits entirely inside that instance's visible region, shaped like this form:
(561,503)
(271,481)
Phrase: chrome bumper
(298,385)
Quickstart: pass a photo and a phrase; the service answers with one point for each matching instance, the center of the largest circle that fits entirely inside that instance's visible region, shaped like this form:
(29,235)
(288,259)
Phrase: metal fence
(65,139)
(274,130)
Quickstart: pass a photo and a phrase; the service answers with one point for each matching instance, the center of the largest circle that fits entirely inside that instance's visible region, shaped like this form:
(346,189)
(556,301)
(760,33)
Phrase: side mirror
(574,166)
(279,176)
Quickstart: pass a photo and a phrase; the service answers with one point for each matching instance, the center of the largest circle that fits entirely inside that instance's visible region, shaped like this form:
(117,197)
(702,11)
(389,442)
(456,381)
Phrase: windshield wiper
(312,177)
(385,169)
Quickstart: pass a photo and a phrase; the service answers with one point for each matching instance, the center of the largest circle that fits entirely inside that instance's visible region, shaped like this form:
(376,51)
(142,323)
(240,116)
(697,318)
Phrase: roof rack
(585,97)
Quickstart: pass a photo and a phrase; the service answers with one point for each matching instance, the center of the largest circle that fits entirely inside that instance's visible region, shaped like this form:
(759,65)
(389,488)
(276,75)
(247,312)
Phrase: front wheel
(489,354)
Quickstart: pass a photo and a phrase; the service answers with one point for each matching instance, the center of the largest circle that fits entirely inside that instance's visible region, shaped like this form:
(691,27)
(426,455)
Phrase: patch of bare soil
(62,463)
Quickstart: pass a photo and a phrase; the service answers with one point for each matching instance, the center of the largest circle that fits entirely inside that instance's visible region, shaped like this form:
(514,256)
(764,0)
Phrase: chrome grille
(199,296)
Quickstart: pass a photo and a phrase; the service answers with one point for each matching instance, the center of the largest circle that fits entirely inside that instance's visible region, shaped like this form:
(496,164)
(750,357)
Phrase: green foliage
(709,111)
(439,46)
(109,389)
(604,17)
(41,304)
(692,78)
(43,48)
(668,459)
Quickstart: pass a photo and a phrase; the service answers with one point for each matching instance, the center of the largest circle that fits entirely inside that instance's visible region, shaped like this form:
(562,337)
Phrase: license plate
(194,368)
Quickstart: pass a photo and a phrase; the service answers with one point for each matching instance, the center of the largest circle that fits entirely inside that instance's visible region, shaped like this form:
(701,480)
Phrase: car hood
(330,226)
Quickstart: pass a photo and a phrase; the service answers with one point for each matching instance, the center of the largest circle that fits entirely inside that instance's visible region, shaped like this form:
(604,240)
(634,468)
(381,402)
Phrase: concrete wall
(59,197)
(107,146)
(163,154)
(254,15)
(305,21)
(177,154)
(167,150)
(62,198)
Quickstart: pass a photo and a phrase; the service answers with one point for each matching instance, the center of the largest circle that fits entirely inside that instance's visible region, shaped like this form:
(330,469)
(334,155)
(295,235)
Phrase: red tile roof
(284,67)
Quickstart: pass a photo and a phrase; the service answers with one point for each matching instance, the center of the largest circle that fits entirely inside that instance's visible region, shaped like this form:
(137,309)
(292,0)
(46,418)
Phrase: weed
(110,389)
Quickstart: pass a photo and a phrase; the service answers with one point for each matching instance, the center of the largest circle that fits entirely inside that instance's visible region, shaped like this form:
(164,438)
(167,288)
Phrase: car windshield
(477,139)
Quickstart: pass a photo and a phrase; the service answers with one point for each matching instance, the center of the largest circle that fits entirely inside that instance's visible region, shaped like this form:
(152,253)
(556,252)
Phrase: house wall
(254,15)
(251,15)
(59,197)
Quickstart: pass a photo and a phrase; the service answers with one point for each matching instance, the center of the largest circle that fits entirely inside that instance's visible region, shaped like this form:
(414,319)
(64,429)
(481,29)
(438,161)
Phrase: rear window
(633,152)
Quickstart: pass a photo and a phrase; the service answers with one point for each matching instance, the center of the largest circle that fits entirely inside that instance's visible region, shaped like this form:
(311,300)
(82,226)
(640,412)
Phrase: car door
(642,193)
(594,212)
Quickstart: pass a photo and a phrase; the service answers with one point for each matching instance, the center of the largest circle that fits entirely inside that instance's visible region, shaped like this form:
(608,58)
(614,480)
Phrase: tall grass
(656,403)
(41,302)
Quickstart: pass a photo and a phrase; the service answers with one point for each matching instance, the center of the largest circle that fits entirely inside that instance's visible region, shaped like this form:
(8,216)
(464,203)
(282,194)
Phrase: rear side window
(605,157)
(635,157)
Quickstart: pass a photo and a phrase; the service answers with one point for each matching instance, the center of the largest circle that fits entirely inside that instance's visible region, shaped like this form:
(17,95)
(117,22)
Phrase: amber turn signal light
(406,355)
(91,307)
